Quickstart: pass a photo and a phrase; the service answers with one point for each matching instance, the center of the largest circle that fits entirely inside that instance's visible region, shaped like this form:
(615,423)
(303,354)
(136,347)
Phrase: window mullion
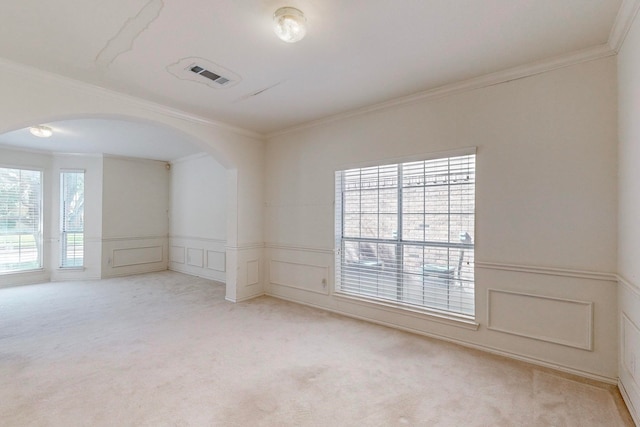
(399,247)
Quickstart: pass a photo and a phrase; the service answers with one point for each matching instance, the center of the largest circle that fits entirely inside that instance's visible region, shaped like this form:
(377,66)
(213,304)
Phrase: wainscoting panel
(177,254)
(308,277)
(216,260)
(245,272)
(554,320)
(630,345)
(195,257)
(137,256)
(198,256)
(253,272)
(629,371)
(132,255)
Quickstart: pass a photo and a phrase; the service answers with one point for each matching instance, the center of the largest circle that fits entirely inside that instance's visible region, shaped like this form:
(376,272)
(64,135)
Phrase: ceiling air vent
(203,71)
(210,75)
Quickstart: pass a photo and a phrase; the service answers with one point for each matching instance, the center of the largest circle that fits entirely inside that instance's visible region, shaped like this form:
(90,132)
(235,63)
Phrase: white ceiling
(356,53)
(115,137)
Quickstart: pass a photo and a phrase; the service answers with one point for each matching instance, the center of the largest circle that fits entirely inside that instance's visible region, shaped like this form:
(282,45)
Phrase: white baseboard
(250,297)
(627,401)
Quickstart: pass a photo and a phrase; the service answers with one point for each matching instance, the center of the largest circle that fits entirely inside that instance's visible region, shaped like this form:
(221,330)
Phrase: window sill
(70,269)
(460,321)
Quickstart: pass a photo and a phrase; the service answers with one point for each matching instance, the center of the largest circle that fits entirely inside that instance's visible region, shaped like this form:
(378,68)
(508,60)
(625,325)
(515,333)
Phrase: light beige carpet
(165,349)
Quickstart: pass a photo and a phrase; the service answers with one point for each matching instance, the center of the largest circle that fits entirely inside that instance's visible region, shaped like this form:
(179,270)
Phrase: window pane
(388,200)
(413,200)
(352,225)
(72,219)
(369,226)
(431,264)
(413,227)
(20,220)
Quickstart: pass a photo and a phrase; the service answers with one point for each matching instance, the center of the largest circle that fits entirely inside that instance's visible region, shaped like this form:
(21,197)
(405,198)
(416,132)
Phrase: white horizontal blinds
(438,232)
(411,242)
(369,231)
(72,219)
(20,220)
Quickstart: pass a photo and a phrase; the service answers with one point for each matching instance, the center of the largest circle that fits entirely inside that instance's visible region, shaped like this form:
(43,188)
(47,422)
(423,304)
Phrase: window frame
(63,246)
(38,236)
(400,243)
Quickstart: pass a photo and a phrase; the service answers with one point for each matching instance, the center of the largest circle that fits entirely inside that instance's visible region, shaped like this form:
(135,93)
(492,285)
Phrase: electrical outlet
(632,364)
(324,282)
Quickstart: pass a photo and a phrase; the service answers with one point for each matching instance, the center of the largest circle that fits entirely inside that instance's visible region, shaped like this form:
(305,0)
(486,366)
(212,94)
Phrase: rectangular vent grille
(210,75)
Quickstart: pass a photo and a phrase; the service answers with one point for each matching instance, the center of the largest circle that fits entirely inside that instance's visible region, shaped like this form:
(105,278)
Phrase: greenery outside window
(20,220)
(72,219)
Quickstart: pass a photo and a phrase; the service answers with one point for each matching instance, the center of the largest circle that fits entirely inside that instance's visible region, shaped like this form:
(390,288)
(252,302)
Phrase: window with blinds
(72,219)
(405,232)
(20,220)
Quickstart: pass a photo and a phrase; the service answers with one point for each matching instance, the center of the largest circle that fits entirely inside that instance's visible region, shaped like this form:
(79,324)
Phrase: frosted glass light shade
(41,131)
(289,24)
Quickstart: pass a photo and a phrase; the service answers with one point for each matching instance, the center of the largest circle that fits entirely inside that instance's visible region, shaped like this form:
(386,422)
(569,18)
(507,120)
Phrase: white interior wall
(546,211)
(198,217)
(135,220)
(628,214)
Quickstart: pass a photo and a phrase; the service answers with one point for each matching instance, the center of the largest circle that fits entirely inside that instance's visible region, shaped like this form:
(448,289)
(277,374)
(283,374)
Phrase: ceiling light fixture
(41,131)
(289,24)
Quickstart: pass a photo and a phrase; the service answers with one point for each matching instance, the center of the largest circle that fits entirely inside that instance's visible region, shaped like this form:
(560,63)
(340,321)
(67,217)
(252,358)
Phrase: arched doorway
(117,152)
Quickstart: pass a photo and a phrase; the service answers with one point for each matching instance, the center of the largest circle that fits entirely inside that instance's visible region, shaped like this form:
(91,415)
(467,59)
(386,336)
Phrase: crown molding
(621,26)
(22,69)
(189,158)
(515,73)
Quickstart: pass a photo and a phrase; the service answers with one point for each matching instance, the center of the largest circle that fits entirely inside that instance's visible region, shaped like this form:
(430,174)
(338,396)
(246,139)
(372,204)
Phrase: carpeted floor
(165,349)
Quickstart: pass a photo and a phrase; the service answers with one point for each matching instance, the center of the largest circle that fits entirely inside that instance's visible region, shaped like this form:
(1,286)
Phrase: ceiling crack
(132,28)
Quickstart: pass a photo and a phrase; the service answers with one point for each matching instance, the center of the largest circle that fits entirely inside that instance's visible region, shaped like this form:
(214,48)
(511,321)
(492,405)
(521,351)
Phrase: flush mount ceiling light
(289,24)
(41,131)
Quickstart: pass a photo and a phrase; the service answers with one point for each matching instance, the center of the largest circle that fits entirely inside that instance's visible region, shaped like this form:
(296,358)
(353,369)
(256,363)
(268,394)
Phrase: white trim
(190,157)
(201,239)
(632,287)
(113,264)
(456,152)
(326,269)
(93,89)
(551,271)
(245,246)
(531,69)
(133,159)
(286,247)
(250,297)
(488,349)
(628,402)
(588,344)
(121,239)
(626,15)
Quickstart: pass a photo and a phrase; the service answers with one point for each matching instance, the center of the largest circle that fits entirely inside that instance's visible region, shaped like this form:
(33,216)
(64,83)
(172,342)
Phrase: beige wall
(628,217)
(198,217)
(135,219)
(546,210)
